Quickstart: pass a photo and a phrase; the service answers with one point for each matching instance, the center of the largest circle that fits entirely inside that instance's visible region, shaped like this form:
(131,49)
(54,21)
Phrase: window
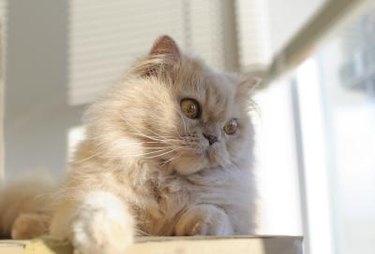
(335,97)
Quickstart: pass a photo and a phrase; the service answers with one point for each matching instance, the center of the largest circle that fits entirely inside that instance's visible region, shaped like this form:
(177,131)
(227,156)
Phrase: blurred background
(315,126)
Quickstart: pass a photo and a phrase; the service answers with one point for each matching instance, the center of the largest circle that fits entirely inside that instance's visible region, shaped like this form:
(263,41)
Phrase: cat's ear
(162,58)
(248,86)
(166,46)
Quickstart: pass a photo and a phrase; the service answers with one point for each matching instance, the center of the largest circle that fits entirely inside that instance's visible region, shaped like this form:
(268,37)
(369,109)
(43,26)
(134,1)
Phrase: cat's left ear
(165,46)
(162,58)
(248,86)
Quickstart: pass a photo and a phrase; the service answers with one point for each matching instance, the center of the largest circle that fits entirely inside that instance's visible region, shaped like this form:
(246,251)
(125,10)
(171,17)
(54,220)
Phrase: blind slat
(107,36)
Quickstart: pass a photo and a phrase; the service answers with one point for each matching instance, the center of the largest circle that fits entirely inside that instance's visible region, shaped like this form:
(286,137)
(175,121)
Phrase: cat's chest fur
(160,197)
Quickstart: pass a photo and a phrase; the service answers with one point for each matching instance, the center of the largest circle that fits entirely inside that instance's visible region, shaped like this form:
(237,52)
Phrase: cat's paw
(204,219)
(102,226)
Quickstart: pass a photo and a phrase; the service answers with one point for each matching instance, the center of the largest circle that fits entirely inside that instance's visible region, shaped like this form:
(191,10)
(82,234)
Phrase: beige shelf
(172,245)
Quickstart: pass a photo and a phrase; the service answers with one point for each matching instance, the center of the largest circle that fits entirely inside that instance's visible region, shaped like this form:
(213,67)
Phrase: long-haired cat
(168,151)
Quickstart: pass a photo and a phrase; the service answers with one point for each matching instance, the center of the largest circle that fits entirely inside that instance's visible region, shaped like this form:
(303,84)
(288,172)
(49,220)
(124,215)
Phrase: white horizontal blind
(107,36)
(254,35)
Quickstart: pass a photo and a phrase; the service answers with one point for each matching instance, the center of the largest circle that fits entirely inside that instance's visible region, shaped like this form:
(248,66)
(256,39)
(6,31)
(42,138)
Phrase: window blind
(105,37)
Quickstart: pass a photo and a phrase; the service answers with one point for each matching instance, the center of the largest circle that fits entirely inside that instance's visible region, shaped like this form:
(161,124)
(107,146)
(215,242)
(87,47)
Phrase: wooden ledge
(171,245)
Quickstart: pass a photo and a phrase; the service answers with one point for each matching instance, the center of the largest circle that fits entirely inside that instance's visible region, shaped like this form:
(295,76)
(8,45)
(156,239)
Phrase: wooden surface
(171,245)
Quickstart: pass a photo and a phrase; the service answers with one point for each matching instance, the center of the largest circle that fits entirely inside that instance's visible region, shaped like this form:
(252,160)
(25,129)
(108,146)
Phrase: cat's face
(212,123)
(180,113)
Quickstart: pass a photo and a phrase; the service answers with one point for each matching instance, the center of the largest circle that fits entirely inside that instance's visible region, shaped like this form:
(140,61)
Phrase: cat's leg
(204,219)
(99,223)
(30,225)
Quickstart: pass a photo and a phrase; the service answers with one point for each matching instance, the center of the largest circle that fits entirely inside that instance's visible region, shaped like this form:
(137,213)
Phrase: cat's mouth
(211,156)
(197,156)
(207,156)
(189,162)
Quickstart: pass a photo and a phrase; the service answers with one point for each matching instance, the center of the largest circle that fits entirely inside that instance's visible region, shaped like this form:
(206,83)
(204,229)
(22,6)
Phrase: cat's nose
(211,138)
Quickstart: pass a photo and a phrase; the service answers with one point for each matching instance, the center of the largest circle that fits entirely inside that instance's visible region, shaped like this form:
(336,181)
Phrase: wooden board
(171,245)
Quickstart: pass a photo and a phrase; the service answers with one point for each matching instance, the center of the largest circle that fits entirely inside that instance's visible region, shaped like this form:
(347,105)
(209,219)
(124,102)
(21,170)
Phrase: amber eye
(191,108)
(231,127)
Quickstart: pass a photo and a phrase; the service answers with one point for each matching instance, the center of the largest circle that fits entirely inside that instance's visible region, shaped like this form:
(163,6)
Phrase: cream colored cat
(169,151)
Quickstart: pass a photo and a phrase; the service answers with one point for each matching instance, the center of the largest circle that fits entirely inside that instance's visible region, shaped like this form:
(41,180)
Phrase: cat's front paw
(204,219)
(102,228)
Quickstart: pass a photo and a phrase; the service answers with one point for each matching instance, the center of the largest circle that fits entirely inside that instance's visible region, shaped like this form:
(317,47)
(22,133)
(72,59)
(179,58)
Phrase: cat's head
(174,110)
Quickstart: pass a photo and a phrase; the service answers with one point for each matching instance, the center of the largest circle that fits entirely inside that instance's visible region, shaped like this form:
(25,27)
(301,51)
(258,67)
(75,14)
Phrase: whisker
(99,146)
(155,138)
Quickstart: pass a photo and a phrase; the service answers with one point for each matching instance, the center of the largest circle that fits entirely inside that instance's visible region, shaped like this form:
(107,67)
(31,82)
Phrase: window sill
(172,245)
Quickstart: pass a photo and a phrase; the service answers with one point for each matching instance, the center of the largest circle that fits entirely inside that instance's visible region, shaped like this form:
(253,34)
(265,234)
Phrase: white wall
(36,111)
(276,161)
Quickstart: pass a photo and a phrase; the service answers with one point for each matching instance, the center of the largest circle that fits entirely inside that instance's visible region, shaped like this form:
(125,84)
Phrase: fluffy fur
(146,169)
(25,208)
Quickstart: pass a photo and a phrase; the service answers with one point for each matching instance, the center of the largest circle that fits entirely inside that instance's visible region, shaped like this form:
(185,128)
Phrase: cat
(168,151)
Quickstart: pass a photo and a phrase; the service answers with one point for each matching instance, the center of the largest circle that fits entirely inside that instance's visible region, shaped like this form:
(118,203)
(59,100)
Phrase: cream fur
(25,207)
(145,163)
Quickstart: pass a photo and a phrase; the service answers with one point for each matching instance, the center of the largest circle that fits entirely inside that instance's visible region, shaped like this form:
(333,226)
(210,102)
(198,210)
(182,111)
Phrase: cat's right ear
(248,86)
